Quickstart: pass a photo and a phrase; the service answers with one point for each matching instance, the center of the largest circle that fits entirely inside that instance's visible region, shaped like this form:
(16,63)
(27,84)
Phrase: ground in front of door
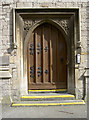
(72,111)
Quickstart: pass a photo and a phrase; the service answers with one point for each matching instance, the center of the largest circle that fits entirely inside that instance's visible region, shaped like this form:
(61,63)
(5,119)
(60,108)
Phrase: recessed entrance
(47,58)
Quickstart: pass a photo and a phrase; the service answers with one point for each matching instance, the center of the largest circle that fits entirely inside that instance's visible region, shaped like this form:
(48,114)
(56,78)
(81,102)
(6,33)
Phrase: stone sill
(5,74)
(4,68)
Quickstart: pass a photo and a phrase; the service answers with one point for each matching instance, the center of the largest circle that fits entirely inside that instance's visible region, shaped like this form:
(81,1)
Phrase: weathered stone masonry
(8,81)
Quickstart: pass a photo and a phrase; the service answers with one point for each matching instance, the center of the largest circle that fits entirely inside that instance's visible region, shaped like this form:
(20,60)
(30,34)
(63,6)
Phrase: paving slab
(73,111)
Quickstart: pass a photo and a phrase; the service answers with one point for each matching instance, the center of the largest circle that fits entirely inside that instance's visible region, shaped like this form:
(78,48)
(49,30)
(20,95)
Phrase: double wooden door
(47,58)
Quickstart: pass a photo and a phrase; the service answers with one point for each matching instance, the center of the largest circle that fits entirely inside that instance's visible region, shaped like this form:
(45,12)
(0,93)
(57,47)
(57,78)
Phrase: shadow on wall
(10,50)
(84,84)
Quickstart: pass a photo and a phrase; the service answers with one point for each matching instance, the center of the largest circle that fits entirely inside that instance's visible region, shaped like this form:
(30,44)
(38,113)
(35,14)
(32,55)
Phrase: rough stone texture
(5,86)
(4,60)
(0,89)
(6,34)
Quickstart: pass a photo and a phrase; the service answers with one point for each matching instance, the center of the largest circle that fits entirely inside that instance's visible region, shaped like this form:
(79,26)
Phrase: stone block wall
(6,36)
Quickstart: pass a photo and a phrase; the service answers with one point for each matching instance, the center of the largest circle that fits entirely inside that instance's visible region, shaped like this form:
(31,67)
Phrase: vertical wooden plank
(35,37)
(46,52)
(54,39)
(59,56)
(63,58)
(43,54)
(31,58)
(28,66)
(58,59)
(50,50)
(39,54)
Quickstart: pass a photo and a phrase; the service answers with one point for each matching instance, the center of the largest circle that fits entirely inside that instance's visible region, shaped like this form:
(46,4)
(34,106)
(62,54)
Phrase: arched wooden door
(47,58)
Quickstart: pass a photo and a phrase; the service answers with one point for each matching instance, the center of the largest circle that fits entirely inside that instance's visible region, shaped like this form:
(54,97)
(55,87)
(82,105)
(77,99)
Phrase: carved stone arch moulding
(29,23)
(63,23)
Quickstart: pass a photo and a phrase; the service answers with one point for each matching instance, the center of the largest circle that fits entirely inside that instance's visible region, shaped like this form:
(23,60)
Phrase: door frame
(21,38)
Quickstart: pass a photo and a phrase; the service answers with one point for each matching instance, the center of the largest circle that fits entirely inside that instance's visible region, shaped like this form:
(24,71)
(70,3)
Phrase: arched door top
(55,24)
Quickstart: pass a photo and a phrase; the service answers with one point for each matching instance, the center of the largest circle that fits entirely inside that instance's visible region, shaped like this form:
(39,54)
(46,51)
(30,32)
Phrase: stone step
(48,91)
(47,96)
(48,103)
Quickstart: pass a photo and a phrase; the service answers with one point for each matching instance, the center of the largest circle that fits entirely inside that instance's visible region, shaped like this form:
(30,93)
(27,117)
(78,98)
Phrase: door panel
(46,39)
(38,52)
(61,60)
(47,56)
(54,37)
(31,61)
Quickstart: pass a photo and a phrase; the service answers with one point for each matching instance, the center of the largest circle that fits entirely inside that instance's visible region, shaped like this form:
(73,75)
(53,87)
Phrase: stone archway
(29,25)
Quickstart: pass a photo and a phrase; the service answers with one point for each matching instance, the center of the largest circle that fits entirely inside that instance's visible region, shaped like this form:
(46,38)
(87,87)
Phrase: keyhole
(61,59)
